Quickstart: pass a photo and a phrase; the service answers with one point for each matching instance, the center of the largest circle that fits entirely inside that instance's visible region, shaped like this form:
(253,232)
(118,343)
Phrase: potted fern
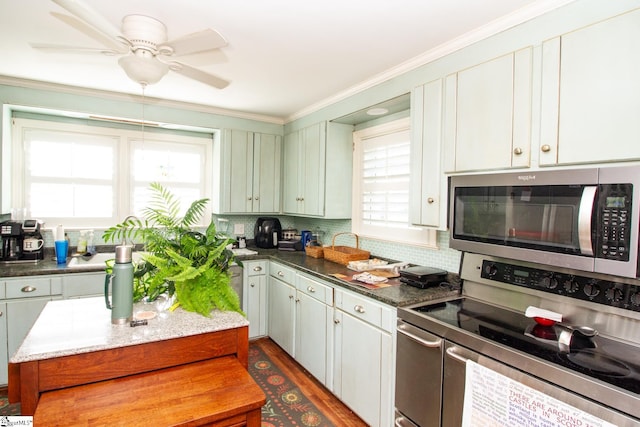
(189,265)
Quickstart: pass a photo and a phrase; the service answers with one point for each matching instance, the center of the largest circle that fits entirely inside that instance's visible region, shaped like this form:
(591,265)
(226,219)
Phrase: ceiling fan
(145,53)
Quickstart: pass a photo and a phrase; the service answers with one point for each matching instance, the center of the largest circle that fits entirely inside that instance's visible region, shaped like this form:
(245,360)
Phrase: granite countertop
(74,326)
(396,295)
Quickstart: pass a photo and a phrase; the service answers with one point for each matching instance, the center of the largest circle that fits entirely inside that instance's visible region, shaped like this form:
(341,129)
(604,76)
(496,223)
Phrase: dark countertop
(398,294)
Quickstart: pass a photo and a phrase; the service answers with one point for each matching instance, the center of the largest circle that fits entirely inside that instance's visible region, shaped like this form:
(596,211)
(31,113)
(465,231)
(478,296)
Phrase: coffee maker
(21,241)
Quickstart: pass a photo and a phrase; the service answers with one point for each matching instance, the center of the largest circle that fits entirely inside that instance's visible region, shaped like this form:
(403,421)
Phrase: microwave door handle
(585,214)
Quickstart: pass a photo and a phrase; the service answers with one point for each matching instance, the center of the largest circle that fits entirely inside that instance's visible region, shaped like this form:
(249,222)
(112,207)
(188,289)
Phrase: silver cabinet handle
(430,200)
(249,198)
(545,148)
(336,321)
(257,268)
(28,288)
(311,289)
(290,296)
(255,198)
(359,308)
(297,299)
(280,273)
(517,151)
(253,285)
(1,313)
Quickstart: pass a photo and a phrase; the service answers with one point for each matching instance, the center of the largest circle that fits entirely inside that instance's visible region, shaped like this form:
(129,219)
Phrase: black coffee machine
(267,232)
(21,241)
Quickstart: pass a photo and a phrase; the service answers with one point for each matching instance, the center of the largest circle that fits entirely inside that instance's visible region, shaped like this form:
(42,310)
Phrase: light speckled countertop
(74,326)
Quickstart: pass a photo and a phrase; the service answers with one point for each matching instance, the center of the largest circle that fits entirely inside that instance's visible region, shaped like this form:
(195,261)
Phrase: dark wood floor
(331,407)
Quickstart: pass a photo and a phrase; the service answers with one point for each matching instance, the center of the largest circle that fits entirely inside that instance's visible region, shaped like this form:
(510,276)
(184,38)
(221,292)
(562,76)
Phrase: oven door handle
(451,352)
(403,329)
(585,215)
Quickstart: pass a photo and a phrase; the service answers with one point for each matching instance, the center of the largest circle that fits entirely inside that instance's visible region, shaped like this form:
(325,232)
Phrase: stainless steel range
(478,355)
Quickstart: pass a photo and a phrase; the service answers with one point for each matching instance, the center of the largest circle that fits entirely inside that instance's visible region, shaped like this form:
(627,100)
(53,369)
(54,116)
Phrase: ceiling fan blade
(59,48)
(88,15)
(200,41)
(199,75)
(91,32)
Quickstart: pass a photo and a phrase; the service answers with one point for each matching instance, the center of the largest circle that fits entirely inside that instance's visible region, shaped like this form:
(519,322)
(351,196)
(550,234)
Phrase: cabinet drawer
(79,285)
(255,268)
(315,289)
(286,274)
(366,309)
(31,287)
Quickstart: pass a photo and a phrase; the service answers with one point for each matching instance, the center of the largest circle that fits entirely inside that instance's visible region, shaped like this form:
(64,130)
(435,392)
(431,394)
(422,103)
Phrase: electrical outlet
(238,229)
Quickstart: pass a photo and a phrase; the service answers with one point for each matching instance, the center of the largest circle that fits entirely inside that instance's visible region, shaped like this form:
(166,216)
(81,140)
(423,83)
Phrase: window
(381,177)
(90,176)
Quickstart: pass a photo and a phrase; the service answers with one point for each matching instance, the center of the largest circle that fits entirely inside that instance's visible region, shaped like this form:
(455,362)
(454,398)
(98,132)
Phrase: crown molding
(118,96)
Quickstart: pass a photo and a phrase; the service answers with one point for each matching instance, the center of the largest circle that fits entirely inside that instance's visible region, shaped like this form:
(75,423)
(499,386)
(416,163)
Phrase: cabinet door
(267,153)
(428,184)
(312,317)
(590,90)
(489,114)
(256,310)
(281,314)
(363,362)
(237,181)
(291,159)
(4,356)
(21,315)
(312,169)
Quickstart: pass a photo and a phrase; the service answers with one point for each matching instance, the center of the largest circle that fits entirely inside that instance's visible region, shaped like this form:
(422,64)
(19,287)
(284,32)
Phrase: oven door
(456,359)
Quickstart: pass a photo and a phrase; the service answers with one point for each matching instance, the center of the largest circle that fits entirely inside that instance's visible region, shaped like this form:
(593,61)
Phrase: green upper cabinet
(590,93)
(249,168)
(317,171)
(428,202)
(487,116)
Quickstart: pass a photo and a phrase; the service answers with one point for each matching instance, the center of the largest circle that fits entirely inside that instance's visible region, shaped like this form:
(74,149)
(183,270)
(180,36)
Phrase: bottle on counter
(82,242)
(121,279)
(91,247)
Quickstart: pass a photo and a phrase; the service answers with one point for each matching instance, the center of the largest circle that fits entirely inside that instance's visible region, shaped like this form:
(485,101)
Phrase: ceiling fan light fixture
(143,70)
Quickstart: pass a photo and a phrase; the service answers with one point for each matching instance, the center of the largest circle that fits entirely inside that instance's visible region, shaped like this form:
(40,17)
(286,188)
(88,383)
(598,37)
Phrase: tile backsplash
(442,257)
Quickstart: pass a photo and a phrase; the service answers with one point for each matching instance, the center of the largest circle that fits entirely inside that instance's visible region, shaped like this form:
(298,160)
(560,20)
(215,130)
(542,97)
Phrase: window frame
(123,183)
(414,234)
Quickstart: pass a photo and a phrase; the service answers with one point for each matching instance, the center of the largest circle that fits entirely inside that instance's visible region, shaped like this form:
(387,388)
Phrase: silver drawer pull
(253,285)
(257,268)
(280,273)
(310,289)
(28,288)
(359,308)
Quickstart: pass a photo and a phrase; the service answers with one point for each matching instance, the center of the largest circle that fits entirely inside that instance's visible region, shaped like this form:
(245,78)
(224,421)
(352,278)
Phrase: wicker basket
(344,254)
(314,251)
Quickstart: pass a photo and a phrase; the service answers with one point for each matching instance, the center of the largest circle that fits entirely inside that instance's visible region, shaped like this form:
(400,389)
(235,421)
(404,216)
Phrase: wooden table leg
(29,387)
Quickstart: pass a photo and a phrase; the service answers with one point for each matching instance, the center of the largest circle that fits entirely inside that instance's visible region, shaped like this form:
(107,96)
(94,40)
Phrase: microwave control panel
(605,292)
(613,237)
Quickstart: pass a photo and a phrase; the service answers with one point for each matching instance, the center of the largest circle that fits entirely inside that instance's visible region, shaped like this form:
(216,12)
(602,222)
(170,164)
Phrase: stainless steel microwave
(584,219)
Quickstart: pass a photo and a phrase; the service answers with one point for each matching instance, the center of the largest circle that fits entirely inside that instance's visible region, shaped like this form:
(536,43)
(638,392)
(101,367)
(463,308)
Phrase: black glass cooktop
(598,357)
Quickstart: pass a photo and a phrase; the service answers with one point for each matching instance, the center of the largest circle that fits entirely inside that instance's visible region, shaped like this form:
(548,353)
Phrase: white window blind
(89,176)
(382,172)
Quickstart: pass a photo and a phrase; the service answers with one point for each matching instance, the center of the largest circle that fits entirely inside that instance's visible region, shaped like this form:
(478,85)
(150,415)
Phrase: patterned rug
(6,408)
(286,406)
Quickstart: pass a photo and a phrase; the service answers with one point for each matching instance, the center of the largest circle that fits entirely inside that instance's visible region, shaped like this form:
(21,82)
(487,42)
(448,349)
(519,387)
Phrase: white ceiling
(284,57)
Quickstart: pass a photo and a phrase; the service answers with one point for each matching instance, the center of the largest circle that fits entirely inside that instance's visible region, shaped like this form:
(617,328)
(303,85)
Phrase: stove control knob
(549,281)
(592,289)
(614,294)
(571,285)
(490,270)
(635,299)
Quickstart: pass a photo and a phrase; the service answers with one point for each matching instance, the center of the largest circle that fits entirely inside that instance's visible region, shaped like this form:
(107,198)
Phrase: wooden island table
(179,369)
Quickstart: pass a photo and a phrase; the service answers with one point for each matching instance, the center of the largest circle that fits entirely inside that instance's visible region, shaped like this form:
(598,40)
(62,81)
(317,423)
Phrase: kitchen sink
(97,260)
